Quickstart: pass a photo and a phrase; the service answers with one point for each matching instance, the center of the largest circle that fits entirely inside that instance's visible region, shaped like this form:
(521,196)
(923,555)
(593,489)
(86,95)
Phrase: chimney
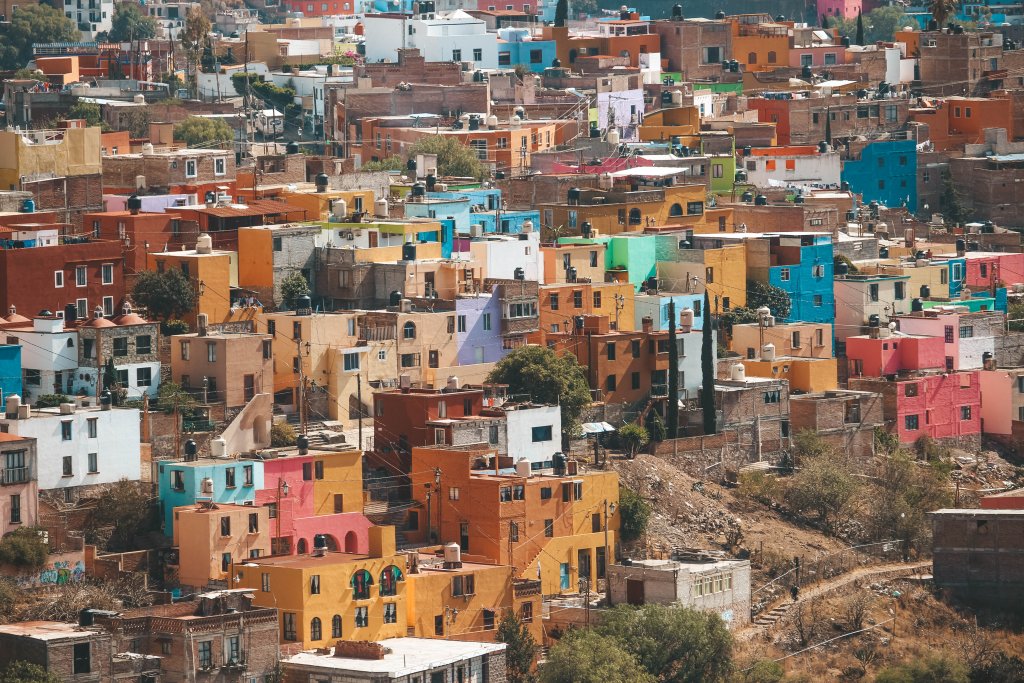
(203,321)
(647,324)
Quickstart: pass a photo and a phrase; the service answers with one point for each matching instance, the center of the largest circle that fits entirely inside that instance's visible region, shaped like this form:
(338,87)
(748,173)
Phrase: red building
(141,233)
(400,418)
(882,353)
(86,273)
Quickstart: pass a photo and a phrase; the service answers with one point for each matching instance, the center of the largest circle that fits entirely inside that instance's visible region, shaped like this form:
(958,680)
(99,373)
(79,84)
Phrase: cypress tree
(860,29)
(673,373)
(561,12)
(707,367)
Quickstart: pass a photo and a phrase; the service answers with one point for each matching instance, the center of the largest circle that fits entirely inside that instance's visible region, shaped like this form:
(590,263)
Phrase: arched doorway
(302,547)
(331,543)
(351,542)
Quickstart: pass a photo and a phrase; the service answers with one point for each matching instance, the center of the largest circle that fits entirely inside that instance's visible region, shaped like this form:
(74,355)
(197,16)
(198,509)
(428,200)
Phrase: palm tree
(942,10)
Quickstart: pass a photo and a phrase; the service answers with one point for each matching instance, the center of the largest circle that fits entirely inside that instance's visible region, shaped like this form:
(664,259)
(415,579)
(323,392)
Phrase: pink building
(967,337)
(986,269)
(940,406)
(19,490)
(847,9)
(871,356)
(319,492)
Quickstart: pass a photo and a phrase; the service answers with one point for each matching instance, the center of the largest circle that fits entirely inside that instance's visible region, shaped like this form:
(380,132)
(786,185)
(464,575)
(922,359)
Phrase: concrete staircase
(772,617)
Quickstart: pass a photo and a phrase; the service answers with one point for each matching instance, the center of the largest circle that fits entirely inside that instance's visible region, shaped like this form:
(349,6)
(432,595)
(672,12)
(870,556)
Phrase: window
(518,492)
(553,301)
(289,626)
(185,350)
(120,346)
(513,532)
(144,377)
(784,274)
(206,654)
(360,583)
(873,292)
(711,55)
(478,54)
(577,299)
(948,334)
(81,276)
(439,625)
(314,584)
(265,582)
(609,383)
(549,528)
(774,396)
(965,412)
(307,471)
(409,330)
(488,620)
(65,430)
(462,323)
(463,585)
(83,308)
(526,612)
(177,480)
(93,462)
(15,517)
(480,146)
(540,434)
(336,626)
(900,290)
(318,469)
(390,613)
(694,208)
(796,340)
(350,362)
(211,352)
(966,331)
(190,168)
(220,166)
(58,278)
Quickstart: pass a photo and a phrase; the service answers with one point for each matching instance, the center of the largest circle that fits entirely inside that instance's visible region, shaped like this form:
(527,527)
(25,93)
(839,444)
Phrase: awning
(597,427)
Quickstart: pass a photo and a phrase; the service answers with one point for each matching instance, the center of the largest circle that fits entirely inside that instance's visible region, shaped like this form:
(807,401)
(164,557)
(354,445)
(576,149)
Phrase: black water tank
(719,14)
(988,227)
(747,197)
(883,252)
(916,306)
(474,122)
(748,150)
(395,298)
(586,229)
(410,165)
(191,448)
(845,41)
(780,17)
(741,176)
(45,313)
(570,274)
(292,147)
(70,313)
(319,542)
(677,11)
(861,94)
(322,181)
(651,283)
(558,463)
(431,182)
(799,199)
(874,320)
(304,303)
(933,25)
(105,398)
(823,146)
(844,186)
(419,189)
(974,246)
(926,291)
(302,443)
(134,204)
(573,196)
(761,200)
(725,65)
(409,251)
(734,66)
(519,274)
(806,72)
(556,63)
(841,268)
(499,175)
(961,245)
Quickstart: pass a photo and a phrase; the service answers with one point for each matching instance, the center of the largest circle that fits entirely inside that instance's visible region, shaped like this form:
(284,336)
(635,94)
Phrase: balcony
(14,475)
(995,74)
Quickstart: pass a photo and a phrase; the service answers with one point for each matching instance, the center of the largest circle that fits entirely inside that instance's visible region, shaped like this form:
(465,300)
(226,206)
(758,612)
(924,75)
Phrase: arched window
(302,547)
(752,58)
(771,56)
(336,626)
(389,579)
(572,56)
(675,210)
(409,330)
(315,629)
(634,217)
(361,582)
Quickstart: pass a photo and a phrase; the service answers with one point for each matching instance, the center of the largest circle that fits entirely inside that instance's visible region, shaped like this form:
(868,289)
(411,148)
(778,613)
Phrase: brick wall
(70,197)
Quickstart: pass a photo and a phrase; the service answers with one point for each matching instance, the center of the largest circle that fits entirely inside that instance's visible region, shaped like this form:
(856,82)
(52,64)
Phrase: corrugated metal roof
(259,207)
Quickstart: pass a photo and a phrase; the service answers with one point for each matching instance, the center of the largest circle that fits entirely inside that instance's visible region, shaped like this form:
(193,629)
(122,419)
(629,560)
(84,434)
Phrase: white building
(793,167)
(440,37)
(91,16)
(79,446)
(503,254)
(49,355)
(533,432)
(400,659)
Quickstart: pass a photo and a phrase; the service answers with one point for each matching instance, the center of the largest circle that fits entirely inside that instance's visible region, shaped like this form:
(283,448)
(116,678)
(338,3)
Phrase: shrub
(634,513)
(23,548)
(633,437)
(282,434)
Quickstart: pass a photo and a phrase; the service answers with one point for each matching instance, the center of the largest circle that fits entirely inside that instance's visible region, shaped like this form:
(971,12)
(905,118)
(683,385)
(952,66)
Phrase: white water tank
(604,181)
(139,99)
(452,553)
(768,352)
(148,148)
(677,98)
(218,447)
(763,312)
(453,383)
(405,306)
(613,136)
(738,372)
(67,408)
(686,319)
(381,208)
(204,244)
(339,210)
(492,121)
(13,404)
(527,226)
(523,468)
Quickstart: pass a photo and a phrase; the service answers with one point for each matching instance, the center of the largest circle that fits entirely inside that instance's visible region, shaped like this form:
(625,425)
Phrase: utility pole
(302,386)
(359,400)
(437,488)
(673,373)
(608,560)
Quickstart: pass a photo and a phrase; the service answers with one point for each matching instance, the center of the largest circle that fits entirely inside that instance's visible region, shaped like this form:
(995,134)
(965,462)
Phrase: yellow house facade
(213,273)
(67,152)
(804,374)
(319,205)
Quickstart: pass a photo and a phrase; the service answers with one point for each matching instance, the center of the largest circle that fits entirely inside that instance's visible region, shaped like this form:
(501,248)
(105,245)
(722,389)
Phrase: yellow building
(795,339)
(560,260)
(934,276)
(560,303)
(220,538)
(665,124)
(466,600)
(320,205)
(331,596)
(213,273)
(48,153)
(722,271)
(807,375)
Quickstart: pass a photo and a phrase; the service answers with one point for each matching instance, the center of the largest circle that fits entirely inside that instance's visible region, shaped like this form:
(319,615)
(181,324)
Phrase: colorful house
(803,374)
(796,339)
(968,337)
(212,272)
(886,172)
(862,299)
(656,306)
(329,596)
(1002,400)
(219,538)
(210,480)
(561,303)
(883,353)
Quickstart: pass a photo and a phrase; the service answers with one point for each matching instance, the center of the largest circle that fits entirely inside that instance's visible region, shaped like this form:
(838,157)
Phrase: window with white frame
(58,278)
(220,166)
(81,276)
(190,168)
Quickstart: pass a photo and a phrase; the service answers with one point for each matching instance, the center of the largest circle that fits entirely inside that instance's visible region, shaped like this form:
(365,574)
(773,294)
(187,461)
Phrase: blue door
(564,576)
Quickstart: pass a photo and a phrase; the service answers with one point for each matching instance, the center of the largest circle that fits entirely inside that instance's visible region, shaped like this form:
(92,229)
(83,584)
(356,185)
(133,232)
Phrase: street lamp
(206,387)
(282,492)
(609,509)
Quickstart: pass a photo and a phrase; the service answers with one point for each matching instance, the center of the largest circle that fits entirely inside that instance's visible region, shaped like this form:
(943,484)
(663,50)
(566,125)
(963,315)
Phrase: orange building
(624,37)
(759,43)
(561,303)
(582,262)
(958,121)
(220,536)
(141,233)
(558,526)
(665,124)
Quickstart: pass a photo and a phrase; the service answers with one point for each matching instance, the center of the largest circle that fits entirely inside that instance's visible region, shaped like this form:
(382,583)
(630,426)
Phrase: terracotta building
(223,367)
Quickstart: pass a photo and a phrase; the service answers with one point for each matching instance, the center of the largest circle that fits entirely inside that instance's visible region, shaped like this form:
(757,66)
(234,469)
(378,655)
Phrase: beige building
(797,339)
(219,537)
(223,367)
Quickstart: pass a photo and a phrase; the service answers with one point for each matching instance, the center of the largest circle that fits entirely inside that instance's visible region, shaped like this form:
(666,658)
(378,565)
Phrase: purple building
(478,325)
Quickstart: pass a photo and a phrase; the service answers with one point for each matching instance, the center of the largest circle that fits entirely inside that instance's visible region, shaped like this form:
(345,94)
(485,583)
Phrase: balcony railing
(14,475)
(197,425)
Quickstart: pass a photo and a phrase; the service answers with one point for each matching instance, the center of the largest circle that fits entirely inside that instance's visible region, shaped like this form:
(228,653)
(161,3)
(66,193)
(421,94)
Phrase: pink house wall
(296,515)
(888,356)
(1008,268)
(818,54)
(996,401)
(938,406)
(936,327)
(841,8)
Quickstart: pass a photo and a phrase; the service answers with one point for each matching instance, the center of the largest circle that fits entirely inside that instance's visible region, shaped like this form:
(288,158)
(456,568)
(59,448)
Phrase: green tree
(561,12)
(165,295)
(392,163)
(282,435)
(941,10)
(51,400)
(763,294)
(20,671)
(23,548)
(135,120)
(763,671)
(589,657)
(120,516)
(33,23)
(194,37)
(824,486)
(707,369)
(546,377)
(293,288)
(520,648)
(672,643)
(859,40)
(903,493)
(633,437)
(129,23)
(807,444)
(590,8)
(1000,668)
(171,396)
(453,158)
(936,668)
(197,131)
(634,514)
(954,209)
(656,427)
(88,111)
(738,315)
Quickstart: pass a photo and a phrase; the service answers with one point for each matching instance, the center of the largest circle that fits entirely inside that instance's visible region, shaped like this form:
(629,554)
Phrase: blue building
(801,265)
(656,306)
(209,479)
(885,173)
(10,370)
(516,47)
(461,210)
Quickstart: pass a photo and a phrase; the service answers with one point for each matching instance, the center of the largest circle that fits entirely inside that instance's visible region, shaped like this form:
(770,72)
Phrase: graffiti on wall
(62,572)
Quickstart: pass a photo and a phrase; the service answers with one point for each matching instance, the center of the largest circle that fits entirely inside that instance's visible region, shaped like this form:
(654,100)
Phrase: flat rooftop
(45,630)
(405,656)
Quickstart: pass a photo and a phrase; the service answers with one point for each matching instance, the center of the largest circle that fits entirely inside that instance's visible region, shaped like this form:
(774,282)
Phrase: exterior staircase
(772,617)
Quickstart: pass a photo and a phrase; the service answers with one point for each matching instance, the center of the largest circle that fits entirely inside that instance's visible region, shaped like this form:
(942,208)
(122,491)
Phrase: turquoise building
(206,480)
